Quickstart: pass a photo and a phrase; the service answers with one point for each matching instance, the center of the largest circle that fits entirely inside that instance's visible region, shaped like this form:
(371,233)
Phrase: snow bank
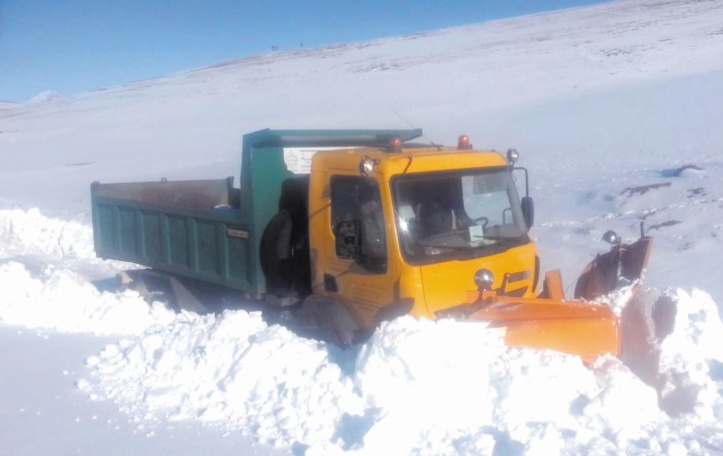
(416,387)
(62,300)
(31,233)
(691,362)
(230,369)
(45,270)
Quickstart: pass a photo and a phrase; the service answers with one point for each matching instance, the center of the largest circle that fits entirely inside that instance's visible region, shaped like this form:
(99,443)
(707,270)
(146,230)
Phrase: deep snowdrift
(415,387)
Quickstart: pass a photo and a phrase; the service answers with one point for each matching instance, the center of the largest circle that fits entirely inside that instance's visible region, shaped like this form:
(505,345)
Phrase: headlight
(484,279)
(611,237)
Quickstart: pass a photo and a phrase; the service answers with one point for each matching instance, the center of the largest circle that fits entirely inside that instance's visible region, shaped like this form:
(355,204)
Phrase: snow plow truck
(353,227)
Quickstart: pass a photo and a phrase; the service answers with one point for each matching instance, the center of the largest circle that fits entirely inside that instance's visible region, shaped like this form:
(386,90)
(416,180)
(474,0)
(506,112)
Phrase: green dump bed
(191,228)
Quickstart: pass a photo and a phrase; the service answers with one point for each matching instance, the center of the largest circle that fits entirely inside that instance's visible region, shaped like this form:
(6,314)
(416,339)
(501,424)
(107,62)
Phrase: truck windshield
(457,215)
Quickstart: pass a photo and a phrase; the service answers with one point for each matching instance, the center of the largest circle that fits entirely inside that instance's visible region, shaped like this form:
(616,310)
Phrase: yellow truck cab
(396,230)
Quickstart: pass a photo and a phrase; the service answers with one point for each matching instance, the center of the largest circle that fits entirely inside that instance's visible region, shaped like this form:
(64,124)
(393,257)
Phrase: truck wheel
(329,319)
(284,255)
(276,254)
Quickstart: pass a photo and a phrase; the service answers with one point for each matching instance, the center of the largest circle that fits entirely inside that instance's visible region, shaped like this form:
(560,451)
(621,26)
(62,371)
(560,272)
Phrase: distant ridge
(9,105)
(553,53)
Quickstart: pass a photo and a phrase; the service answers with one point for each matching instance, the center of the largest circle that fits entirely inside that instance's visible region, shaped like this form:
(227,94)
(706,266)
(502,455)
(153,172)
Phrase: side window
(358,222)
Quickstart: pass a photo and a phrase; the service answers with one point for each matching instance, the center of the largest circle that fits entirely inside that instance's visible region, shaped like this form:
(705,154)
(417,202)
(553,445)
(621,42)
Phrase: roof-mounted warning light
(463,143)
(395,145)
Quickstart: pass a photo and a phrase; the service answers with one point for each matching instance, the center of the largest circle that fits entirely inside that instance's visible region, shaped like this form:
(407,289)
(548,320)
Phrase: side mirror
(348,239)
(528,211)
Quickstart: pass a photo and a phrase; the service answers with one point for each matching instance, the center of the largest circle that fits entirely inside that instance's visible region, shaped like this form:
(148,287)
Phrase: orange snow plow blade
(577,328)
(585,329)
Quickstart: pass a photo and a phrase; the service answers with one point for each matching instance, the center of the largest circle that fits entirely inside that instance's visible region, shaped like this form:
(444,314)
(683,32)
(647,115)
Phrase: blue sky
(73,46)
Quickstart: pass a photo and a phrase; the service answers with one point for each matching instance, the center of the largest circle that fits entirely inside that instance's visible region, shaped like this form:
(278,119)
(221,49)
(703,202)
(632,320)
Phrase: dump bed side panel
(190,228)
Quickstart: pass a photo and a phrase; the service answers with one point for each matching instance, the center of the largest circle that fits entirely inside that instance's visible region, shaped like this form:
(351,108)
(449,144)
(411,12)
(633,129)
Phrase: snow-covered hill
(8,105)
(615,109)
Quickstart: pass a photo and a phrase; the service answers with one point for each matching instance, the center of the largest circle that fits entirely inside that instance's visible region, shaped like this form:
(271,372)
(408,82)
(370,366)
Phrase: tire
(276,254)
(284,256)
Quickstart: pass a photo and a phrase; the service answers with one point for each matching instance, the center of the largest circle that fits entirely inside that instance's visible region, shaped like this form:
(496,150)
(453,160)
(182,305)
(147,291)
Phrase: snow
(615,111)
(46,97)
(8,105)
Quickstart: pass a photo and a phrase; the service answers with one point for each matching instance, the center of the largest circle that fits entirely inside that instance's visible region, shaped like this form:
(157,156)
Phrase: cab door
(358,270)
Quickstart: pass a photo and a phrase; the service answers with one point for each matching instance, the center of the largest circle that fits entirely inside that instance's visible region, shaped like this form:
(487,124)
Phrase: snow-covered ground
(615,110)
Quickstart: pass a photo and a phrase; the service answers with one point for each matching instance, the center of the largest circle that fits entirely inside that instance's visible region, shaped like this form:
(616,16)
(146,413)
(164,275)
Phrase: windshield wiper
(521,238)
(446,246)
